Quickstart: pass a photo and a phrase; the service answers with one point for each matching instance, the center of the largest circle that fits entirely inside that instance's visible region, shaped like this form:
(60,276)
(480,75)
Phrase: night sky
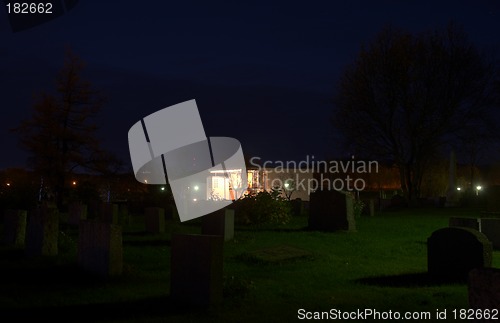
(263,73)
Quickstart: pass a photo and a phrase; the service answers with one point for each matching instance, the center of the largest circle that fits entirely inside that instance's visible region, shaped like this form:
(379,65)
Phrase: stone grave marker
(331,210)
(484,289)
(453,252)
(472,223)
(42,232)
(490,227)
(493,199)
(15,227)
(196,275)
(100,248)
(154,218)
(77,212)
(372,207)
(219,223)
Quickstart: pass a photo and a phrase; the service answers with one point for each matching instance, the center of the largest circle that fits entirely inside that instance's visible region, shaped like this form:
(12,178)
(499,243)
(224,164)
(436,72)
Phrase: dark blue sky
(262,73)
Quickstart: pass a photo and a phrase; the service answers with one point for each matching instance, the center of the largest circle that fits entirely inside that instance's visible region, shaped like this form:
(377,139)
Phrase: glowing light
(163,188)
(8,184)
(286,185)
(479,187)
(74,183)
(194,200)
(196,188)
(146,181)
(459,188)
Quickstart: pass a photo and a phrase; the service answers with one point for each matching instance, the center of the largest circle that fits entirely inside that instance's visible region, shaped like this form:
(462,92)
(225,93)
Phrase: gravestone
(42,232)
(298,207)
(219,223)
(493,198)
(490,227)
(196,275)
(484,289)
(453,252)
(331,210)
(15,227)
(108,213)
(155,219)
(100,248)
(472,223)
(77,212)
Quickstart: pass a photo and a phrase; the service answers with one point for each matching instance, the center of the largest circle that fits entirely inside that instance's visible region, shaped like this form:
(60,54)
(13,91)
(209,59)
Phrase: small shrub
(358,206)
(263,207)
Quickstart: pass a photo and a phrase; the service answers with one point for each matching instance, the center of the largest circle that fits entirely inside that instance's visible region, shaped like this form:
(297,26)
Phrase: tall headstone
(451,194)
(484,289)
(219,223)
(196,275)
(493,198)
(473,223)
(42,232)
(100,248)
(15,227)
(331,210)
(490,227)
(154,218)
(453,252)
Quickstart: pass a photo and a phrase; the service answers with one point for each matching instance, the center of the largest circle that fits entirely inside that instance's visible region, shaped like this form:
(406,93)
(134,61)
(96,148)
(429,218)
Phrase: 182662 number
(26,8)
(476,314)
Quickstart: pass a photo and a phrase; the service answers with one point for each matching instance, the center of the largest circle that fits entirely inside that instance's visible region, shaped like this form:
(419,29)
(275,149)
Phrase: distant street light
(478,188)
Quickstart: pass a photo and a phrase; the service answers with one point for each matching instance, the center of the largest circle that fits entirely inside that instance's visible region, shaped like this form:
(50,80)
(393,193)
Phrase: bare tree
(406,96)
(61,135)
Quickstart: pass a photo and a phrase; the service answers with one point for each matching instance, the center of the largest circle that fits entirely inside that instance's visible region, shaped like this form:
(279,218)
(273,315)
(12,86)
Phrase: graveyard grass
(270,272)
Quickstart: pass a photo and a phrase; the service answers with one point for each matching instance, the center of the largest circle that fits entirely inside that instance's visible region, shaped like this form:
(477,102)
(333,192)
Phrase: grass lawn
(381,266)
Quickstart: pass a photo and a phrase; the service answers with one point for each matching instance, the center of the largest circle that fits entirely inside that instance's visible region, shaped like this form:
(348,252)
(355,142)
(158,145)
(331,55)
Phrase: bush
(263,207)
(358,206)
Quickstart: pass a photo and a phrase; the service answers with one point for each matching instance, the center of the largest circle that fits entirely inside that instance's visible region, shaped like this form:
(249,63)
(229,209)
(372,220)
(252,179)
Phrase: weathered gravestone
(77,212)
(100,248)
(196,275)
(298,207)
(371,205)
(453,252)
(154,218)
(493,198)
(472,223)
(331,210)
(484,290)
(490,227)
(42,232)
(109,213)
(219,223)
(15,227)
